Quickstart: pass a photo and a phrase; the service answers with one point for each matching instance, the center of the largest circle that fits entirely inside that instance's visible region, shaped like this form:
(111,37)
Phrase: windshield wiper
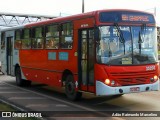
(120,34)
(142,32)
(140,40)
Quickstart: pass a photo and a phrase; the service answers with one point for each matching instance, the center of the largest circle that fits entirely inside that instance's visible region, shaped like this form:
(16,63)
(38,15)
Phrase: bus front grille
(132,78)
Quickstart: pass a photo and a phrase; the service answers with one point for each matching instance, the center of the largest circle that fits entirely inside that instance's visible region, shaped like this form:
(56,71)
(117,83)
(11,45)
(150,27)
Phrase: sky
(70,7)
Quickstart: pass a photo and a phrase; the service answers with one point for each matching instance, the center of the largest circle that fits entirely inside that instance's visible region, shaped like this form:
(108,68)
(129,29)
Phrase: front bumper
(103,89)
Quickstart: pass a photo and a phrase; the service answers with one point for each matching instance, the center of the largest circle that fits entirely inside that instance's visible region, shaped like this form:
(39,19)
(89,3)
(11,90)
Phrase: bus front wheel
(71,93)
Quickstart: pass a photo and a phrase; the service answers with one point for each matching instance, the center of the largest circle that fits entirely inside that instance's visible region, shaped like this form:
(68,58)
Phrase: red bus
(105,52)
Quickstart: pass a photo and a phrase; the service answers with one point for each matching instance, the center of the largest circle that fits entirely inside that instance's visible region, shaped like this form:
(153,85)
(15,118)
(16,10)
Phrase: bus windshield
(126,45)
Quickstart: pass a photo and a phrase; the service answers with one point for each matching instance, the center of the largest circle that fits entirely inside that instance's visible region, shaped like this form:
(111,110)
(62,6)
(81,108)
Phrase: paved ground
(28,99)
(53,102)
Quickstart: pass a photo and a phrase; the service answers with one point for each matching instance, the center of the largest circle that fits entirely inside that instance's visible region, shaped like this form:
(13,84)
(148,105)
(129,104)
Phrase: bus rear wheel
(71,93)
(19,80)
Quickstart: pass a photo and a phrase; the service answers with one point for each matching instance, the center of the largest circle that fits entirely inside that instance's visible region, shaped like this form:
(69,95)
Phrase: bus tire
(27,83)
(19,80)
(117,96)
(71,93)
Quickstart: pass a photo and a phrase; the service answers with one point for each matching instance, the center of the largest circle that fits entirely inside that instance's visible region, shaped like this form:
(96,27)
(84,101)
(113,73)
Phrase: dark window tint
(18,42)
(67,35)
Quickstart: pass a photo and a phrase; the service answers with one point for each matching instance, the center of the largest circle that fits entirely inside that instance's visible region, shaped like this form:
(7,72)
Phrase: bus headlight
(155,78)
(107,81)
(110,82)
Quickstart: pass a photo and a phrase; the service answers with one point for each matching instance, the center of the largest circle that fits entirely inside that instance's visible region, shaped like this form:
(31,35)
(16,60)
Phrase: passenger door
(9,55)
(86,59)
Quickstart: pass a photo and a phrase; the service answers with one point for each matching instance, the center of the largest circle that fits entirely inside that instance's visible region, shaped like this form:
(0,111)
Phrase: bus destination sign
(126,16)
(137,18)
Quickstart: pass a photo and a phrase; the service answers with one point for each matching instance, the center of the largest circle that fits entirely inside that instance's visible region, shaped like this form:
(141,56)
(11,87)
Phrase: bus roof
(72,17)
(80,16)
(61,19)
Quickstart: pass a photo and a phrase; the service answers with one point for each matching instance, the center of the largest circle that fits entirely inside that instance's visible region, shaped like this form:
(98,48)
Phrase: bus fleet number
(150,68)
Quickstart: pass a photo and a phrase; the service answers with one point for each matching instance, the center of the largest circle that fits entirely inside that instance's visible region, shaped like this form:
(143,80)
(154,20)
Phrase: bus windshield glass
(126,45)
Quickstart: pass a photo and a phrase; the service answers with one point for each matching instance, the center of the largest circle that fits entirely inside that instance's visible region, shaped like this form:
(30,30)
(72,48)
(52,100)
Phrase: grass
(4,108)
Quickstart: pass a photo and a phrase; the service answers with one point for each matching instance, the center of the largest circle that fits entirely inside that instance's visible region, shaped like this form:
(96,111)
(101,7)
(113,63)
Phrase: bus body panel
(126,75)
(37,66)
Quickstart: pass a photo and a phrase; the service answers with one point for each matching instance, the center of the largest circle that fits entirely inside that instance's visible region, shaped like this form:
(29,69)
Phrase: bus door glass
(86,58)
(2,52)
(9,55)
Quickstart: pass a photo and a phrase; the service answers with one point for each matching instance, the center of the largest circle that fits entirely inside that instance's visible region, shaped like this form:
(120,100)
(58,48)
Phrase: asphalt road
(39,97)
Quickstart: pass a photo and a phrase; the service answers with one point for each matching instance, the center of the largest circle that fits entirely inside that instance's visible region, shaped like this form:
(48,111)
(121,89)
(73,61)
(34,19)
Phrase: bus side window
(26,41)
(37,38)
(67,36)
(18,41)
(52,37)
(2,41)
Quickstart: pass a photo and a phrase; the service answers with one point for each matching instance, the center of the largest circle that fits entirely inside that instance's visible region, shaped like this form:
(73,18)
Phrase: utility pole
(155,11)
(82,6)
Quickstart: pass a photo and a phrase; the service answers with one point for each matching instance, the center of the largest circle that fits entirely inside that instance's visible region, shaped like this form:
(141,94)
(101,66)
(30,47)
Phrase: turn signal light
(113,83)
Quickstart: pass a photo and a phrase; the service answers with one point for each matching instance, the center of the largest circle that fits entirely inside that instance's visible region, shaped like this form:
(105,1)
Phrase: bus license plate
(134,89)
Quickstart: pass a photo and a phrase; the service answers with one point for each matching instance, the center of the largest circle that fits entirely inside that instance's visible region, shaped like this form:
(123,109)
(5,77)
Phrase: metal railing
(14,19)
